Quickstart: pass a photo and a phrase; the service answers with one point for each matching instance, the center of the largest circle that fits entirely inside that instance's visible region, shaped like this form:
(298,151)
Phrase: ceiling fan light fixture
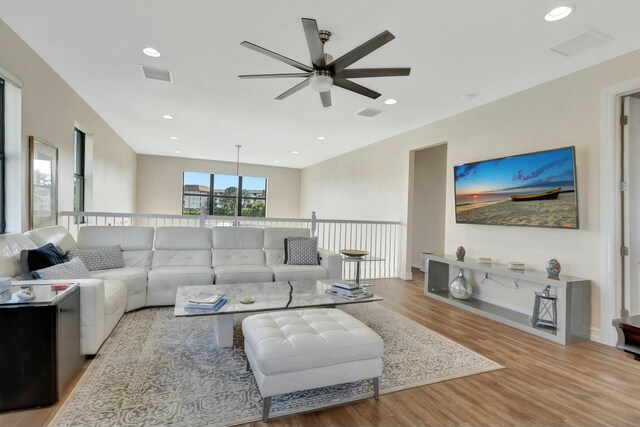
(558,13)
(321,81)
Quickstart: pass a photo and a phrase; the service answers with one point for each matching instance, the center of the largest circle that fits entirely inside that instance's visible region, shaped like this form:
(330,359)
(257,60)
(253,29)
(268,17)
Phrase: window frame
(79,168)
(211,196)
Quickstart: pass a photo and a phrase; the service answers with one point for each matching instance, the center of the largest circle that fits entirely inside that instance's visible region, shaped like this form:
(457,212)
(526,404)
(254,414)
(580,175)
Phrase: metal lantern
(545,310)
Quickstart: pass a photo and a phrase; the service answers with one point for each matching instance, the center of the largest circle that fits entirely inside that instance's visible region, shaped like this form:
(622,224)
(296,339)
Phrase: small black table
(40,341)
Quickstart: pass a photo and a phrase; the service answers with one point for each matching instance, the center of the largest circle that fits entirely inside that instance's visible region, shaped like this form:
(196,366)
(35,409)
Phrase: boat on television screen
(547,195)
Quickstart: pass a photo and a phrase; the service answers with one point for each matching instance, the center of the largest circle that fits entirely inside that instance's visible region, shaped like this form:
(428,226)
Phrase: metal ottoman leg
(266,406)
(376,388)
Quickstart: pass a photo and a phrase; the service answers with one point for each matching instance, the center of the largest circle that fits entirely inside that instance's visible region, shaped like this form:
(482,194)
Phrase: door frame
(610,205)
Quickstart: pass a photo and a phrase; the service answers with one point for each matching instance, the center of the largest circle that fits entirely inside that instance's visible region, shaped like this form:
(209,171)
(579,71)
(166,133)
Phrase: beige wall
(373,182)
(50,110)
(160,184)
(429,201)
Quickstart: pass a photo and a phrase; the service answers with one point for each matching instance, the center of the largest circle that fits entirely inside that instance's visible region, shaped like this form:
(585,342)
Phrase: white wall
(372,182)
(429,201)
(160,184)
(50,110)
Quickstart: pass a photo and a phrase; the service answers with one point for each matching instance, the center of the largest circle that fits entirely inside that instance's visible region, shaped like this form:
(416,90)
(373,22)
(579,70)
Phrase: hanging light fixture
(238,207)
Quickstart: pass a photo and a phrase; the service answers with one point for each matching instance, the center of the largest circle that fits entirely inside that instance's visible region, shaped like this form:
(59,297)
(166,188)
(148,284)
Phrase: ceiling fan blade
(355,73)
(293,90)
(316,49)
(354,87)
(273,76)
(361,51)
(276,56)
(326,98)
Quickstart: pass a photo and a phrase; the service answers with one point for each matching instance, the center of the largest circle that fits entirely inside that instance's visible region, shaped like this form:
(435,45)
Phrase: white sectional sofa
(181,256)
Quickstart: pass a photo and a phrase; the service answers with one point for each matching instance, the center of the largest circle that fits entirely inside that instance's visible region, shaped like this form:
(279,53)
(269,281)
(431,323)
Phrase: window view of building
(78,170)
(224,195)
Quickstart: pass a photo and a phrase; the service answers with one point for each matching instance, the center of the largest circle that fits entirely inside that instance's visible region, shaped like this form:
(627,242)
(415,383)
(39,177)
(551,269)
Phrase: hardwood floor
(543,384)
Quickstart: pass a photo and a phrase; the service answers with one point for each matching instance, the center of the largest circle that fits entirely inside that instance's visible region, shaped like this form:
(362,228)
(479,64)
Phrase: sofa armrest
(332,262)
(91,311)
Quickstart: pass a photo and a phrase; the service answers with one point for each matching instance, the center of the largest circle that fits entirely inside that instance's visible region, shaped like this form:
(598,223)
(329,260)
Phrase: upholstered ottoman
(299,350)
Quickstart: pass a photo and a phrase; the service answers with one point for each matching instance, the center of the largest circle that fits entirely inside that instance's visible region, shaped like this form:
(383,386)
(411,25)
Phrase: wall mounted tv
(534,190)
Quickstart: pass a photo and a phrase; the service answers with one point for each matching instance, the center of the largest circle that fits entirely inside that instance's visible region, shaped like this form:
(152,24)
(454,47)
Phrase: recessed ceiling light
(321,138)
(173,138)
(295,152)
(276,161)
(177,151)
(149,51)
(558,13)
(167,116)
(391,101)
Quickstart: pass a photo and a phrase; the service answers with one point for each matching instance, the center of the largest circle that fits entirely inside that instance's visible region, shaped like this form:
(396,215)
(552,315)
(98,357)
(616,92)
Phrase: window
(218,194)
(78,170)
(3,221)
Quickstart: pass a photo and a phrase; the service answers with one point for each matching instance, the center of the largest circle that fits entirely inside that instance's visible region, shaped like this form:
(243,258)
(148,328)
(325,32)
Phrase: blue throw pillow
(37,259)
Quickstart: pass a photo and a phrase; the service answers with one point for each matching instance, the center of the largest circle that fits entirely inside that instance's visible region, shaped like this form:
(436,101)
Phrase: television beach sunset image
(536,189)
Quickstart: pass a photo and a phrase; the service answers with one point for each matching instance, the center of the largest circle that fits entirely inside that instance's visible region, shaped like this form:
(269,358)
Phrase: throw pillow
(301,251)
(36,259)
(99,258)
(74,269)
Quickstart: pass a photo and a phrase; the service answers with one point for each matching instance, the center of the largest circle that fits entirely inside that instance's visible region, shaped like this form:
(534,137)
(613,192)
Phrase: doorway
(428,194)
(630,171)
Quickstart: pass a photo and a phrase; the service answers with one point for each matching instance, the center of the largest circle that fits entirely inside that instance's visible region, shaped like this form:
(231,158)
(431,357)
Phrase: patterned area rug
(156,369)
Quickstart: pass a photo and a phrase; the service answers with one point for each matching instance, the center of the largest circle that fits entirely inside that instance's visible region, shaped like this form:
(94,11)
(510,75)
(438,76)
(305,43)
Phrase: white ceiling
(488,47)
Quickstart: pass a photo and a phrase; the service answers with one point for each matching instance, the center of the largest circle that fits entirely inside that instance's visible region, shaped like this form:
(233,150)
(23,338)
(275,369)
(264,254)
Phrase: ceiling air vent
(369,112)
(582,42)
(157,74)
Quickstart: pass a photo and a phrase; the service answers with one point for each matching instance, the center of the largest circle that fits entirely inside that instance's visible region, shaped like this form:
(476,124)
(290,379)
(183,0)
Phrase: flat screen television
(532,190)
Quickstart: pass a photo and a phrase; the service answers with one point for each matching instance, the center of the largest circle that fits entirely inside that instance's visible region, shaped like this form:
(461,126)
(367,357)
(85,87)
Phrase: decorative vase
(460,253)
(553,267)
(460,287)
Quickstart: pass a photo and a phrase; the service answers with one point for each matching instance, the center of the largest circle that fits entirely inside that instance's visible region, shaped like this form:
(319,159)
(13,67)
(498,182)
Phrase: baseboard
(406,275)
(595,335)
(416,265)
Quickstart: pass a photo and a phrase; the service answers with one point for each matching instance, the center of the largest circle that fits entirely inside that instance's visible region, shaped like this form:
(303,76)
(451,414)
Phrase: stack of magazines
(206,301)
(349,290)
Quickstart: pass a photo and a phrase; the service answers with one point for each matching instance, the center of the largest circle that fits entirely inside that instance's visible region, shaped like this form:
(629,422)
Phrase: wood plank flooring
(544,384)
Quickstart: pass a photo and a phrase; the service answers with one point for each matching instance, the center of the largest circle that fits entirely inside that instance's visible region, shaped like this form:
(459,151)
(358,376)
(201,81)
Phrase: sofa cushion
(183,238)
(10,247)
(135,279)
(242,274)
(58,235)
(164,282)
(115,296)
(238,238)
(128,238)
(284,272)
(99,258)
(37,259)
(74,269)
(301,251)
(166,257)
(274,256)
(237,257)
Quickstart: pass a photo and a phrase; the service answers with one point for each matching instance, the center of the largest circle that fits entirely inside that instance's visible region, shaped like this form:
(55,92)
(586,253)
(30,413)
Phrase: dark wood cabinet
(628,329)
(39,349)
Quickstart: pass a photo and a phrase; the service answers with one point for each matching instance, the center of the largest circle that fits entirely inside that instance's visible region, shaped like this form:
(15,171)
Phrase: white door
(631,135)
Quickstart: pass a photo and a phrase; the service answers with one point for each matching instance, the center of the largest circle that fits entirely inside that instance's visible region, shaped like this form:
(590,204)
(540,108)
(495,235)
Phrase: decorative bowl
(354,253)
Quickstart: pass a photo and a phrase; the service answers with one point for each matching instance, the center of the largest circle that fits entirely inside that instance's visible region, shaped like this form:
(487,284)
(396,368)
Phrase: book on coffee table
(205,298)
(206,307)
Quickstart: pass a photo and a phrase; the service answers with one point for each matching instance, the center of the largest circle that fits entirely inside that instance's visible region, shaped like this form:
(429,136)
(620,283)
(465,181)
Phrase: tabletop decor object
(460,253)
(460,287)
(553,268)
(354,253)
(545,310)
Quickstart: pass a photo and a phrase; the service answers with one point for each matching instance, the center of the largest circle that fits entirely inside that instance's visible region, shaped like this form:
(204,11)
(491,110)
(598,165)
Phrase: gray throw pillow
(301,251)
(100,258)
(73,269)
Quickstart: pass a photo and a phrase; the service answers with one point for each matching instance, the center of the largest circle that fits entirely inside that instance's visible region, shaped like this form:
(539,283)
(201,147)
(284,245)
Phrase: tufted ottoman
(299,350)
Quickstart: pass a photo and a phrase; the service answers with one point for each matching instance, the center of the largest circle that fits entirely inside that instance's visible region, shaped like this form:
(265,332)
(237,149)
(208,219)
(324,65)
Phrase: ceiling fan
(325,72)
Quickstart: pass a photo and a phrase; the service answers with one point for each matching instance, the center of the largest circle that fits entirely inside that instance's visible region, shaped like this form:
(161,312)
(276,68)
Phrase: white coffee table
(269,296)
